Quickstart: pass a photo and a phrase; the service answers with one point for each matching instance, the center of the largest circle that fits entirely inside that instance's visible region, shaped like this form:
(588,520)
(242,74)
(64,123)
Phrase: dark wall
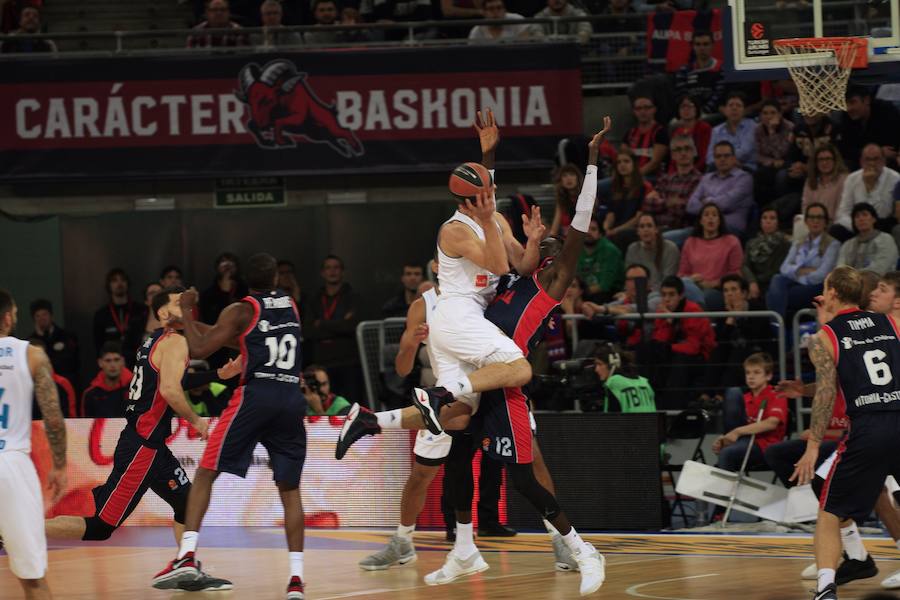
(605,468)
(373,239)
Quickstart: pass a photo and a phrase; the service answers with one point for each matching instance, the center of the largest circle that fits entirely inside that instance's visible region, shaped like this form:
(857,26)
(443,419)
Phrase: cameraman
(317,388)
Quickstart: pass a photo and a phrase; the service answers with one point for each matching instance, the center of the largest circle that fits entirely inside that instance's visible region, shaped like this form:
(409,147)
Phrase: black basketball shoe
(360,422)
(429,402)
(829,593)
(851,570)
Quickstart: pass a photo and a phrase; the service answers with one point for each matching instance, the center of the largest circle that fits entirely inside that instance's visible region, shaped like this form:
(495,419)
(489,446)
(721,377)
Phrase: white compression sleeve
(493,175)
(585,205)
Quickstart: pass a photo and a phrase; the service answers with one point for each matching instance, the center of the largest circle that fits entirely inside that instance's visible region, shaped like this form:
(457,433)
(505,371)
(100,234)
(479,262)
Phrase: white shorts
(22,516)
(432,448)
(462,340)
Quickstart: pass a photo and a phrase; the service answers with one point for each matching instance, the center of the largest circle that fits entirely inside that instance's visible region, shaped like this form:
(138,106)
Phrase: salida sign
(287,115)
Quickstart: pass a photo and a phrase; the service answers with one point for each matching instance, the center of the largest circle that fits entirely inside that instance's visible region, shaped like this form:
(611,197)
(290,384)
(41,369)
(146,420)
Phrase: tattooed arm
(54,424)
(822,356)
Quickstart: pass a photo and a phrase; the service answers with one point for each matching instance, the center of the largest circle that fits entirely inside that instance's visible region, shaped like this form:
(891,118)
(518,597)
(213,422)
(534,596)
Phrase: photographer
(317,389)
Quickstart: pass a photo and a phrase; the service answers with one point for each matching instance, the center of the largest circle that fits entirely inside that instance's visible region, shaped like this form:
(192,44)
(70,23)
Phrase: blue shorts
(268,413)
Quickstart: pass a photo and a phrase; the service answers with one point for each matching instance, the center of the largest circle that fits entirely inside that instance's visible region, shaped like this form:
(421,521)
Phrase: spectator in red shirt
(741,416)
(107,395)
(647,139)
(690,124)
(218,16)
(679,347)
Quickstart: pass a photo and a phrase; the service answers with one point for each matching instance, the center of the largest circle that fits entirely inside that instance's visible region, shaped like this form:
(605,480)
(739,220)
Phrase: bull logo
(284,107)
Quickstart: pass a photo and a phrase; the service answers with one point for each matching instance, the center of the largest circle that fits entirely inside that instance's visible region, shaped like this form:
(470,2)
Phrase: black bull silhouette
(282,105)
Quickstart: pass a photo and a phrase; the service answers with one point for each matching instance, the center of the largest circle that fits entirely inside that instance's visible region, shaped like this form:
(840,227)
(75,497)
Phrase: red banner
(290,113)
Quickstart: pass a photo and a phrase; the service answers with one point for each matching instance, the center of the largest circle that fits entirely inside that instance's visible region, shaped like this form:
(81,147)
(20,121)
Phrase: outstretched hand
(598,137)
(488,133)
(533,226)
(790,388)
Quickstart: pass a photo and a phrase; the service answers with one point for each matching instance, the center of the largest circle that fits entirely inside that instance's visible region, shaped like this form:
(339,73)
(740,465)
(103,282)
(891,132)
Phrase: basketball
(468,179)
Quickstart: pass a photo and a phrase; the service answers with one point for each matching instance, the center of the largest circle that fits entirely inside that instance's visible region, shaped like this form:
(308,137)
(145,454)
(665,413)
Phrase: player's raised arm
(415,333)
(564,267)
(488,137)
(173,356)
(822,356)
(54,423)
(202,339)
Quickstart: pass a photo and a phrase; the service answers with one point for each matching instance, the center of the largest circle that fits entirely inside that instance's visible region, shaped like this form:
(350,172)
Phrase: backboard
(751,27)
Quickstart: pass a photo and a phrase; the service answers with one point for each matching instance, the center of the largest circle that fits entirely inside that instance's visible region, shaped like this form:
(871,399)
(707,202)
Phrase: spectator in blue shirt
(807,264)
(736,129)
(728,187)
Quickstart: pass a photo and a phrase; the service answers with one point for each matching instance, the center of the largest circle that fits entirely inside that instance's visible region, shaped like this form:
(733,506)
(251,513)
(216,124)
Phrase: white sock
(852,542)
(390,419)
(460,387)
(574,541)
(826,577)
(465,543)
(550,528)
(405,532)
(296,564)
(188,543)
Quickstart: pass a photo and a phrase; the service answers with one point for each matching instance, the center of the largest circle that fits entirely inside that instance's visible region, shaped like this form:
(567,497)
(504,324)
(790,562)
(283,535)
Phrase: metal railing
(603,64)
(798,361)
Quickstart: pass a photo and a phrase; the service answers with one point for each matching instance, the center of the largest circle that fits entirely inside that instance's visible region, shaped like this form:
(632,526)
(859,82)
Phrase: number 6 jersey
(867,356)
(270,346)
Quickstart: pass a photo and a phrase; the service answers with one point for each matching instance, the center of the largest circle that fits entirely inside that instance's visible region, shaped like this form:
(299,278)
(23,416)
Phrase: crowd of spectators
(221,23)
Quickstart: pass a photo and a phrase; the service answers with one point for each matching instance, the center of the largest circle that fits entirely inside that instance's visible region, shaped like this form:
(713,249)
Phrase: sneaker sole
(295,596)
(224,587)
(403,561)
(351,418)
(431,421)
(172,580)
(890,584)
(472,571)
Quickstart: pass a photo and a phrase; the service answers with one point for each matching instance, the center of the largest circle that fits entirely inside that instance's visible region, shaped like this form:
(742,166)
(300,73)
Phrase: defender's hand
(488,133)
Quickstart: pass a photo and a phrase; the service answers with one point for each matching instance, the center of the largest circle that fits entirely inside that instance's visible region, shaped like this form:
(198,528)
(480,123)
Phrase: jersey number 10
(282,351)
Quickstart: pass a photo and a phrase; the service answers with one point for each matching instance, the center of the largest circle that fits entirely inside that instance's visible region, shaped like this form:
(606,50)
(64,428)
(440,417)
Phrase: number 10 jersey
(270,346)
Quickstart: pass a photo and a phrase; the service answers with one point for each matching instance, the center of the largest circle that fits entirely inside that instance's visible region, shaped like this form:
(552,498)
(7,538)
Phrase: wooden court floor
(661,567)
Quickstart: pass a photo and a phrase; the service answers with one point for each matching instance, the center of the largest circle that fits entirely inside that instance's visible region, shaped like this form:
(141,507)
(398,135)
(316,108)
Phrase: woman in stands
(774,137)
(566,187)
(690,124)
(764,253)
(808,262)
(708,255)
(625,199)
(658,255)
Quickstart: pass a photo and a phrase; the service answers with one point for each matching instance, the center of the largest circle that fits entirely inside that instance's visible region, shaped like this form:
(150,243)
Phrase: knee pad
(524,481)
(96,529)
(179,508)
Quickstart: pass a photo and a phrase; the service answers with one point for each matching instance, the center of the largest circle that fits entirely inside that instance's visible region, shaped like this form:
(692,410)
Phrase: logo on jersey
(481,280)
(485,444)
(263,325)
(284,107)
(847,342)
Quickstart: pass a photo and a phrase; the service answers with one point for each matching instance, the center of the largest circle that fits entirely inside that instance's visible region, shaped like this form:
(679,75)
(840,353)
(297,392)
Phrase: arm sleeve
(198,379)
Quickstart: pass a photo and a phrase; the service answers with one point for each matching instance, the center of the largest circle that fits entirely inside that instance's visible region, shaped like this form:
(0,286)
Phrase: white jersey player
(474,247)
(25,372)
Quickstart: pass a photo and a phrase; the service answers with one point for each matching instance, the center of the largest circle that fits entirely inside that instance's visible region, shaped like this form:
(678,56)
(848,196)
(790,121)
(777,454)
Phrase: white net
(821,69)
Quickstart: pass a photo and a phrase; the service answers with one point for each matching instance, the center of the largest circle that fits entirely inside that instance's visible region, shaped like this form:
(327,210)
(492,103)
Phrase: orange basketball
(468,179)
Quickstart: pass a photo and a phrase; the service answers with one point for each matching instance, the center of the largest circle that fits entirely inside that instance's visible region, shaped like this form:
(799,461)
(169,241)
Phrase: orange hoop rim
(860,45)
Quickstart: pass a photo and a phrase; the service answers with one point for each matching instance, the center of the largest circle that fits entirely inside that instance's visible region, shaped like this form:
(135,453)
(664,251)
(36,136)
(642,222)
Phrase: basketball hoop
(821,69)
